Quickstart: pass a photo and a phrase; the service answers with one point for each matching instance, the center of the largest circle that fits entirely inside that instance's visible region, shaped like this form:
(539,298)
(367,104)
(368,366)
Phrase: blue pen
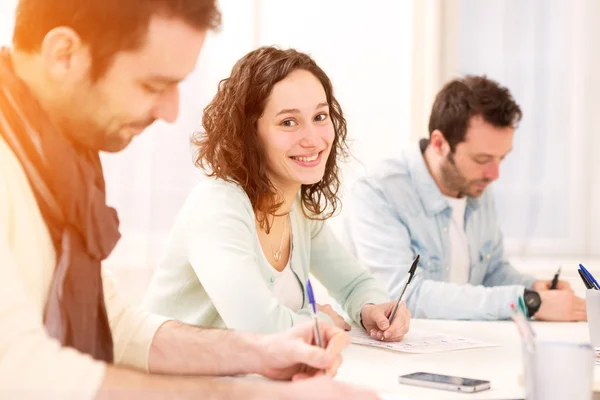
(311,300)
(590,276)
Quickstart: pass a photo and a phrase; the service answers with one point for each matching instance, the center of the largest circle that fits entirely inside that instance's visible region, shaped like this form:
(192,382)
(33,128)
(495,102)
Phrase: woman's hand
(335,317)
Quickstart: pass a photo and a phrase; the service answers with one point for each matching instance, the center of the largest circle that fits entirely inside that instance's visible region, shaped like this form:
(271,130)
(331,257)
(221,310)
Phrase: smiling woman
(299,157)
(242,248)
(278,104)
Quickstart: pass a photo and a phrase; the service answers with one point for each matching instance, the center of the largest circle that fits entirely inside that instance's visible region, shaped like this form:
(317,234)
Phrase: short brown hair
(230,149)
(461,99)
(107,26)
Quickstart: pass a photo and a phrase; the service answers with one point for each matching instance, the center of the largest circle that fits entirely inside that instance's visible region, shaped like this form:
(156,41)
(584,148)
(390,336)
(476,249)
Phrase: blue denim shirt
(397,211)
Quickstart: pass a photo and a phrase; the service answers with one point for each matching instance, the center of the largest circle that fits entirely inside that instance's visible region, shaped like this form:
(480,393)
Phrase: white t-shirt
(459,244)
(287,289)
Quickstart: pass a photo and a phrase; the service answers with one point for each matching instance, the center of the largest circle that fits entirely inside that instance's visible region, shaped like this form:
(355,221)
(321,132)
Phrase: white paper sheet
(419,341)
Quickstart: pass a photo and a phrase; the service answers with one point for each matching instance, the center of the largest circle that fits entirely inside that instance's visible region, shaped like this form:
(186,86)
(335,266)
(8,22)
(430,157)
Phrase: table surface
(379,369)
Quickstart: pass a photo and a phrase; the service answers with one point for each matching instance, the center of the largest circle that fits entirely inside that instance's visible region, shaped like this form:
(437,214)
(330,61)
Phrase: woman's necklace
(277,254)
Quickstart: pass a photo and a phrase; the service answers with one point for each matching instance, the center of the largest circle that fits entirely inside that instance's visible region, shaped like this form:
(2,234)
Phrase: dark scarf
(69,188)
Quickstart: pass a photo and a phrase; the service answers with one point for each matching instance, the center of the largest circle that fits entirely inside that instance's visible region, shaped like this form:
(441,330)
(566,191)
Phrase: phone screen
(451,380)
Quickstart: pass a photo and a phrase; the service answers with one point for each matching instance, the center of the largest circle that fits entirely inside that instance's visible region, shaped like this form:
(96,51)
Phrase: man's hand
(541,285)
(293,355)
(335,317)
(375,319)
(561,305)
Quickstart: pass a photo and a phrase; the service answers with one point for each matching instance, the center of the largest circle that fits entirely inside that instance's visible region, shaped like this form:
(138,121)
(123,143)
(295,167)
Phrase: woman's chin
(311,181)
(305,179)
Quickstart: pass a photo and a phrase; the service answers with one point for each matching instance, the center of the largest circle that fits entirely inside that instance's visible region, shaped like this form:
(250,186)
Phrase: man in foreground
(84,77)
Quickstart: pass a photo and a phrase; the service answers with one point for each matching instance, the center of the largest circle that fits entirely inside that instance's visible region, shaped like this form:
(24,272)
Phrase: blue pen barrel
(590,277)
(317,333)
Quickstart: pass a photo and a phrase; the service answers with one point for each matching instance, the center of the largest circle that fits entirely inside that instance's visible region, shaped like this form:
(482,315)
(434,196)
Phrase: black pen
(586,282)
(555,279)
(411,273)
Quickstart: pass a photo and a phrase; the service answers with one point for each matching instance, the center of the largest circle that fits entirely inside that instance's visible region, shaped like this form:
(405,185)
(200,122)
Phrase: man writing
(83,77)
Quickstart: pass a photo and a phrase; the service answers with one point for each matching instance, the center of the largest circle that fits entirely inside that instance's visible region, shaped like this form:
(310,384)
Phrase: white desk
(379,369)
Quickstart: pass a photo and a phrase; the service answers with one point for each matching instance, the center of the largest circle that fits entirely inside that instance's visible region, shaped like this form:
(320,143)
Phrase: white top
(287,289)
(459,243)
(30,360)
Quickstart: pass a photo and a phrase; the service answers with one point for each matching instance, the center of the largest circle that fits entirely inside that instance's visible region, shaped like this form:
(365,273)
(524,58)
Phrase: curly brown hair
(230,149)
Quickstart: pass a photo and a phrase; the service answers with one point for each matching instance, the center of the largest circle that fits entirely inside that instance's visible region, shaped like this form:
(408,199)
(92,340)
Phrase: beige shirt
(32,363)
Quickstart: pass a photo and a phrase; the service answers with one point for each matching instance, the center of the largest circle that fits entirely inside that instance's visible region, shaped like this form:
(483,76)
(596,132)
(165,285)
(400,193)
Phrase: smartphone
(444,382)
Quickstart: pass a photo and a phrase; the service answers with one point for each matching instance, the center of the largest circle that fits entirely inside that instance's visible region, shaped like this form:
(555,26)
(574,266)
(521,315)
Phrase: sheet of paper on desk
(419,341)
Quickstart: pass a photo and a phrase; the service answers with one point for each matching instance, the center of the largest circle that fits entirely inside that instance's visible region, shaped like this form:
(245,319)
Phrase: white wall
(545,52)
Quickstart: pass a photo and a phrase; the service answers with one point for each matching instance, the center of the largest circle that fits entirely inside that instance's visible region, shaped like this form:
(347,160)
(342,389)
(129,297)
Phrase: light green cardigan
(214,274)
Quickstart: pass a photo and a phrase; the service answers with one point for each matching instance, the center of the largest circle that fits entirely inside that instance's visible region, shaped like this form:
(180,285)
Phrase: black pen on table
(555,279)
(586,281)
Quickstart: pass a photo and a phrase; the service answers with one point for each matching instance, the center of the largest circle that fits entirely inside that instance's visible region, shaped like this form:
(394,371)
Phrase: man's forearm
(466,302)
(504,274)
(120,383)
(183,349)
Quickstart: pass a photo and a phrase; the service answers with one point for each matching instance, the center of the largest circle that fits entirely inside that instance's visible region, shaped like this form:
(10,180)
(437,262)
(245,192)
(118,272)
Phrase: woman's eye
(289,123)
(321,117)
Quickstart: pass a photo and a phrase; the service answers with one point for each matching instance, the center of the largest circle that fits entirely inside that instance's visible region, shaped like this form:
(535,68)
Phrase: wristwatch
(533,302)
